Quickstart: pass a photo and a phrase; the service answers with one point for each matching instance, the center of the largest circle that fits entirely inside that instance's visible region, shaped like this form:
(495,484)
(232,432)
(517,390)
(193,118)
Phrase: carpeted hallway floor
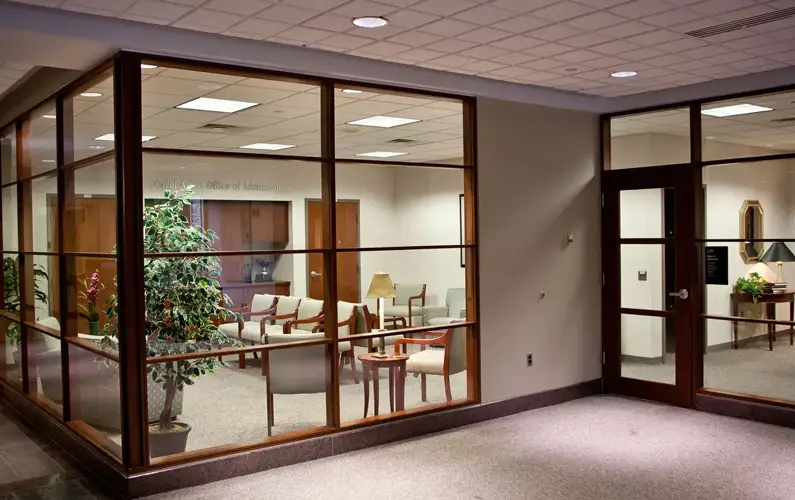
(596,448)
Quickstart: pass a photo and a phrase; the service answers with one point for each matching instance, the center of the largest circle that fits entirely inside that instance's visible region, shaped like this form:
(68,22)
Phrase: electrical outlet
(529,359)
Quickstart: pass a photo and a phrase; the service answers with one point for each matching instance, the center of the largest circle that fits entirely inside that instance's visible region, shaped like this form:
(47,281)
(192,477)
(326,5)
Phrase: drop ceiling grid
(565,44)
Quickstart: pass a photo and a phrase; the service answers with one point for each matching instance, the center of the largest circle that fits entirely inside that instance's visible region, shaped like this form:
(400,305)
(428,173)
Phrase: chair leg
(424,388)
(242,362)
(352,358)
(447,392)
(270,413)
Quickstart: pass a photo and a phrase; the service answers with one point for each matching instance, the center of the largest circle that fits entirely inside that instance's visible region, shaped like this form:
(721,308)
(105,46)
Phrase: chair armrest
(265,312)
(288,325)
(444,337)
(462,313)
(431,312)
(279,316)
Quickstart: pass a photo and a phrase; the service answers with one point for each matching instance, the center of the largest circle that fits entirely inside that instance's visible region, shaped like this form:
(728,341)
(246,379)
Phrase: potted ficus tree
(11,303)
(183,298)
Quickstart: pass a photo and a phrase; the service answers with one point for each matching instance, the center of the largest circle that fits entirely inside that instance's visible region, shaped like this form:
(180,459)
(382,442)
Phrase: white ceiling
(287,113)
(761,130)
(11,73)
(565,44)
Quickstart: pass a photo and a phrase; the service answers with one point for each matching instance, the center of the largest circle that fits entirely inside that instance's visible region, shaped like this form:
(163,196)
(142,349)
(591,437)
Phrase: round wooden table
(397,379)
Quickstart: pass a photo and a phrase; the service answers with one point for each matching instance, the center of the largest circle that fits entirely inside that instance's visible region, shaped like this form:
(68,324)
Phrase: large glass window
(649,139)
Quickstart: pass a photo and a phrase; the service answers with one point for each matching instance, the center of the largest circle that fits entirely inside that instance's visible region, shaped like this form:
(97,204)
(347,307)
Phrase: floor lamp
(381,288)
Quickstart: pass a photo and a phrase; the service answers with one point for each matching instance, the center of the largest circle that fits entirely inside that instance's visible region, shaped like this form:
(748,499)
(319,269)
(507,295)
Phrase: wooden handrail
(402,331)
(93,347)
(229,351)
(747,320)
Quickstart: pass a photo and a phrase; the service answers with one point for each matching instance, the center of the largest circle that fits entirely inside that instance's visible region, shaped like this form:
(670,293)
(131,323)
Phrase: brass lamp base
(381,348)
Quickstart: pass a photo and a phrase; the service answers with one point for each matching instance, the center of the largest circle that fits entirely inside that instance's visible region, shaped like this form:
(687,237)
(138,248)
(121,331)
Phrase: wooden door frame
(684,178)
(307,201)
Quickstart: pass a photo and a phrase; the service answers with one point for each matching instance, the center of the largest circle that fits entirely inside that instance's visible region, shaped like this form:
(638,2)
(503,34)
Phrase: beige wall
(538,182)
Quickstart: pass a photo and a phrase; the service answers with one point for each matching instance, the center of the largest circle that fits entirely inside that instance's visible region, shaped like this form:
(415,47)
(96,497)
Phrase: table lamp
(778,253)
(381,288)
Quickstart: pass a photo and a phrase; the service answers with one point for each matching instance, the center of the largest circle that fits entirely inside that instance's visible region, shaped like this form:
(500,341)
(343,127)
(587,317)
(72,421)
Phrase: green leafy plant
(752,285)
(11,303)
(182,296)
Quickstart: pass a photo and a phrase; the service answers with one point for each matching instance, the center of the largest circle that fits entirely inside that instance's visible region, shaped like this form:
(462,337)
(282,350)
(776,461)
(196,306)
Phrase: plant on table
(11,303)
(90,293)
(753,285)
(182,298)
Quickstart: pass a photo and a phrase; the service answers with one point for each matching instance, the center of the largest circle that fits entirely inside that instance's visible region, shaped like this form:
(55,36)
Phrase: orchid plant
(182,296)
(90,293)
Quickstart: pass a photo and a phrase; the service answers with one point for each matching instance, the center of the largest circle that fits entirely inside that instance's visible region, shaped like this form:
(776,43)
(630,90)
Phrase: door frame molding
(358,203)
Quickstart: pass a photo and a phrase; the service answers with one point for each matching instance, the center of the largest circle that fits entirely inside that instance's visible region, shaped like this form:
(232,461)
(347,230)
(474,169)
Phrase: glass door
(651,292)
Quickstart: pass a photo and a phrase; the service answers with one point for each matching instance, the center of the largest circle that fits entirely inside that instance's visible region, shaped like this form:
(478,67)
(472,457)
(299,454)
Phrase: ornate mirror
(752,226)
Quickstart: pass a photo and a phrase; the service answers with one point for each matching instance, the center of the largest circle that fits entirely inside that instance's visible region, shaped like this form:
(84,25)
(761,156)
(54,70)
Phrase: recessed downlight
(383,121)
(148,66)
(351,91)
(734,110)
(264,146)
(370,22)
(112,137)
(624,74)
(381,154)
(216,105)
(49,117)
(91,94)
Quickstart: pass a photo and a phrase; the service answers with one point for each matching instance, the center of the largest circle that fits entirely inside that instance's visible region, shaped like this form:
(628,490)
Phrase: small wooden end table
(397,380)
(770,300)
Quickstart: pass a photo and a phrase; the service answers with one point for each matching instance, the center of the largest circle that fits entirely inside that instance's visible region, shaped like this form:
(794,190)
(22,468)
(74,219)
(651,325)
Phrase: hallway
(596,448)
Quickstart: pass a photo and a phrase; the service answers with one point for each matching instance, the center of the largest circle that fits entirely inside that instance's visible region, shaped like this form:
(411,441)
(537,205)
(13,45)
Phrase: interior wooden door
(348,275)
(231,221)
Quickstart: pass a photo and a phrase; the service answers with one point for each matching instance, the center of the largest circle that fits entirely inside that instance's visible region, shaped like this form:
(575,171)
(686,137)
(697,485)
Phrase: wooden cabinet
(269,223)
(241,294)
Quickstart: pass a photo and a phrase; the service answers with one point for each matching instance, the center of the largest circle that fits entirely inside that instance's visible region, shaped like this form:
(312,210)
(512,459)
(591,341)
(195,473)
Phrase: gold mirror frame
(760,246)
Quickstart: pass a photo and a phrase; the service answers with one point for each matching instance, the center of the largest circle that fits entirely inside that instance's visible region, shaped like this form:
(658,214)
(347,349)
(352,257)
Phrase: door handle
(314,274)
(682,294)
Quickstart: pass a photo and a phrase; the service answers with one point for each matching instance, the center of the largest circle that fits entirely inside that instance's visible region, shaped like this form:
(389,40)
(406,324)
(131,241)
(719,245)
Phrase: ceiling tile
(420,55)
(554,32)
(641,54)
(517,42)
(549,49)
(578,56)
(484,35)
(510,71)
(287,14)
(318,5)
(749,42)
(514,58)
(626,29)
(448,27)
(638,9)
(654,38)
(602,4)
(116,6)
(454,61)
(562,11)
(451,45)
(259,28)
(383,49)
(615,47)
(411,18)
(596,21)
(672,18)
(444,7)
(158,10)
(484,14)
(705,52)
(667,60)
(713,7)
(330,22)
(680,45)
(484,52)
(415,38)
(483,66)
(604,62)
(344,41)
(241,7)
(521,6)
(520,24)
(358,8)
(586,40)
(304,34)
(208,20)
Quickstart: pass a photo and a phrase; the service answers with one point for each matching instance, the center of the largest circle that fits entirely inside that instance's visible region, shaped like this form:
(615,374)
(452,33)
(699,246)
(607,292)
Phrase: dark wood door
(348,276)
(231,221)
(651,282)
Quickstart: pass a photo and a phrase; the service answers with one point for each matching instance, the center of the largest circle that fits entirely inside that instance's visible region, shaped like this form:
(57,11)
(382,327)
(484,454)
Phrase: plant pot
(93,328)
(162,443)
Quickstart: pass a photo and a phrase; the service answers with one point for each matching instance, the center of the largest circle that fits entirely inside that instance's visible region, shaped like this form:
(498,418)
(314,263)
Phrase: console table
(770,300)
(396,365)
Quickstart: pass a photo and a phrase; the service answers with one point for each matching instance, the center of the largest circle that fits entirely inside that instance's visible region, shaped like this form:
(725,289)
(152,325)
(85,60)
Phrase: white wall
(538,182)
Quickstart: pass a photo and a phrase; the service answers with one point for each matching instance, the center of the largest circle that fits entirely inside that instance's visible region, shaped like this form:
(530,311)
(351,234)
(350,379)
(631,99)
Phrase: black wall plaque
(717,265)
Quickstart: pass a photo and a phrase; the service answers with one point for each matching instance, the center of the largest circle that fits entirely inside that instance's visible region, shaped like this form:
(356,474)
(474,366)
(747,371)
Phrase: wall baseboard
(210,470)
(747,410)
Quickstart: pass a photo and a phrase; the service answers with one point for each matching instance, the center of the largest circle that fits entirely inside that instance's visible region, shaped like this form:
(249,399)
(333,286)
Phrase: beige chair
(408,304)
(446,361)
(453,310)
(295,370)
(367,322)
(307,316)
(247,328)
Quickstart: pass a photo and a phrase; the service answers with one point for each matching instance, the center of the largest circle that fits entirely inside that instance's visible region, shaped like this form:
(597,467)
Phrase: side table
(770,300)
(397,379)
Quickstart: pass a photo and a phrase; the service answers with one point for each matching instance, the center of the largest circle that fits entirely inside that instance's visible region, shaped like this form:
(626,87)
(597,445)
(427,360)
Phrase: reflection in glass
(46,353)
(91,211)
(649,139)
(93,125)
(10,352)
(645,354)
(41,145)
(8,155)
(10,218)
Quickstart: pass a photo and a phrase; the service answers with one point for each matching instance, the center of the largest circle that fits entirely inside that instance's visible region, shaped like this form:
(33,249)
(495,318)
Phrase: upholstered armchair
(247,327)
(408,304)
(347,320)
(308,315)
(446,361)
(453,310)
(367,322)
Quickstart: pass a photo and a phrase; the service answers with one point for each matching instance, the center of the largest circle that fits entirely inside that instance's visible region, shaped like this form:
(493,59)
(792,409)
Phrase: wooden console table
(770,300)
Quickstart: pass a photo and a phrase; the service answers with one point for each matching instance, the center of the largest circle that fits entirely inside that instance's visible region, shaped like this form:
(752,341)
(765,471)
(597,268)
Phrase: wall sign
(717,265)
(218,185)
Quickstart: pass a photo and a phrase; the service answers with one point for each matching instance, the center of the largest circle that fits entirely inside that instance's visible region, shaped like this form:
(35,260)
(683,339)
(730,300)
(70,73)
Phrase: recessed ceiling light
(48,161)
(267,147)
(351,91)
(216,105)
(112,137)
(49,117)
(734,110)
(383,121)
(91,94)
(381,154)
(623,74)
(148,66)
(370,22)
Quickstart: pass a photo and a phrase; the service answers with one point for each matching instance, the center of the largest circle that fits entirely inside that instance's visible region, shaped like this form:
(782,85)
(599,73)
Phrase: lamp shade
(778,252)
(381,287)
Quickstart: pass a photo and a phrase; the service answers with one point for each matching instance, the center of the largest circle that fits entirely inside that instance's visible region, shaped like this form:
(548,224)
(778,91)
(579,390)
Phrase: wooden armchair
(308,314)
(408,304)
(346,312)
(445,362)
(247,328)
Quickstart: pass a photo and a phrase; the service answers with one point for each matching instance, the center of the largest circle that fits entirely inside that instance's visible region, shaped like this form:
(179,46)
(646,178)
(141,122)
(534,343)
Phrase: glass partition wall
(738,154)
(195,257)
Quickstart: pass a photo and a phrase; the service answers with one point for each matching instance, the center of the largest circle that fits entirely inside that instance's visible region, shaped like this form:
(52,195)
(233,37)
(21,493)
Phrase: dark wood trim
(403,331)
(645,241)
(748,159)
(738,240)
(407,248)
(392,163)
(230,351)
(92,347)
(90,161)
(129,223)
(743,319)
(224,253)
(228,154)
(647,312)
(31,178)
(605,142)
(758,409)
(97,438)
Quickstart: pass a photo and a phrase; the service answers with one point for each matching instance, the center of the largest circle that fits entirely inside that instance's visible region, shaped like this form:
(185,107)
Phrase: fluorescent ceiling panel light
(383,121)
(48,161)
(91,94)
(216,105)
(148,66)
(96,147)
(112,137)
(734,110)
(351,91)
(381,154)
(623,74)
(262,146)
(370,22)
(49,117)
